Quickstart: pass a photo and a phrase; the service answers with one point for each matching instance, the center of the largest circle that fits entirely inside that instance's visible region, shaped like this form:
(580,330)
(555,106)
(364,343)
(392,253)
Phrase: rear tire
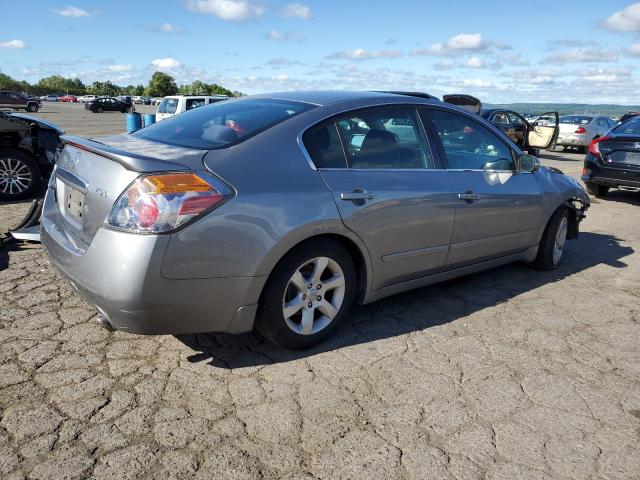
(596,190)
(553,242)
(319,311)
(32,108)
(19,175)
(99,110)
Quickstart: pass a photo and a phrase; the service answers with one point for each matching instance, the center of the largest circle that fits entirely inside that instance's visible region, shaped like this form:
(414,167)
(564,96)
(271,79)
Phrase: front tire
(32,108)
(99,110)
(308,295)
(596,190)
(19,175)
(553,242)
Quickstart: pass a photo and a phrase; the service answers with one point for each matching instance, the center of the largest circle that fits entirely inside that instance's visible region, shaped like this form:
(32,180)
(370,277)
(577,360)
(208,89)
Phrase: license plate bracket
(74,203)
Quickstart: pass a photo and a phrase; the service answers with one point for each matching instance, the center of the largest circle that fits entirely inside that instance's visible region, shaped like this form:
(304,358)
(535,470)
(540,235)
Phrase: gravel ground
(506,374)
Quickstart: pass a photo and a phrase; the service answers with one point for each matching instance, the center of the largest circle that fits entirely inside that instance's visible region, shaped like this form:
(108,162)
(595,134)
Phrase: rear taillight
(581,130)
(163,202)
(594,146)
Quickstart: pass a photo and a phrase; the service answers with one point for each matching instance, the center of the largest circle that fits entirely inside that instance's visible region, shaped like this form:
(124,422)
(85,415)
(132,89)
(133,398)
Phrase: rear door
(544,131)
(498,209)
(389,188)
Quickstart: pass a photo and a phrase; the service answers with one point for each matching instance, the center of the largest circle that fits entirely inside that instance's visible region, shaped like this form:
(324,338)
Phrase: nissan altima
(279,212)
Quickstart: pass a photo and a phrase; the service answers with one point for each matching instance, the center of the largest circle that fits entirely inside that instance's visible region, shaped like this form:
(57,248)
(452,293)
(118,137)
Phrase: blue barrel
(134,122)
(149,119)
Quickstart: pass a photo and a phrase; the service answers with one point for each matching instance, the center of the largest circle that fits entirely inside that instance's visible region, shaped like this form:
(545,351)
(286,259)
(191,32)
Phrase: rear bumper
(570,140)
(119,274)
(614,177)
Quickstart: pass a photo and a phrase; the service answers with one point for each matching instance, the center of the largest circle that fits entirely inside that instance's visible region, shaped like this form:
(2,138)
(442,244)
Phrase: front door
(498,208)
(544,131)
(388,187)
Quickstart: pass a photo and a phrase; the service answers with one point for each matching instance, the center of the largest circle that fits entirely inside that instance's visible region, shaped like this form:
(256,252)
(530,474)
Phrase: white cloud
(277,35)
(475,62)
(362,54)
(297,10)
(634,50)
(581,55)
(627,20)
(13,44)
(168,28)
(166,63)
(233,10)
(120,68)
(476,82)
(457,44)
(72,12)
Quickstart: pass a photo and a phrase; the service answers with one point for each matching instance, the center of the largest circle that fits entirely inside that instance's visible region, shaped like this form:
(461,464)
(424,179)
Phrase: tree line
(160,84)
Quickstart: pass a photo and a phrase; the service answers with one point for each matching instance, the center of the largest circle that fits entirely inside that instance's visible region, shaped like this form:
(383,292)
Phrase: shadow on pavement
(621,196)
(550,155)
(415,310)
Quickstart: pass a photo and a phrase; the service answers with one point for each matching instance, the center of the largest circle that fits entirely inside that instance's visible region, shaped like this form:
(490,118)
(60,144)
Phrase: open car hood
(466,102)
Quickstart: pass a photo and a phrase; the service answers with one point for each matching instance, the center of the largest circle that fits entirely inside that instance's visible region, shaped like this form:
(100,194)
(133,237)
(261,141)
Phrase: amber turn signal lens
(174,183)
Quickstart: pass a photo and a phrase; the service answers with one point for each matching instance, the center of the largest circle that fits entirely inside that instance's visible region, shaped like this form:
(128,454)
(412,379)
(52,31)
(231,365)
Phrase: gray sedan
(281,211)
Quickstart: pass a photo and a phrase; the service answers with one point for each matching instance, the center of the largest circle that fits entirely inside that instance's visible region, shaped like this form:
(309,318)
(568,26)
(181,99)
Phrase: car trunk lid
(621,151)
(90,175)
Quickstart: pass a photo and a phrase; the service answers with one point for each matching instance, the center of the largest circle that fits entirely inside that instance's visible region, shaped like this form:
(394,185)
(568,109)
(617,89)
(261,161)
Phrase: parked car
(17,101)
(577,131)
(282,210)
(175,104)
(87,98)
(613,161)
(108,104)
(541,133)
(52,98)
(156,100)
(68,98)
(28,147)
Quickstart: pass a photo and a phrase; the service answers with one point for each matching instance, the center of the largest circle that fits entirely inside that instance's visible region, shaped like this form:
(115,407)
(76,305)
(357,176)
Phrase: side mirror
(528,163)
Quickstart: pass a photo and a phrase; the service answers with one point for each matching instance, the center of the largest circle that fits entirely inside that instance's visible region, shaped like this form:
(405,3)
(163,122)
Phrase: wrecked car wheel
(19,175)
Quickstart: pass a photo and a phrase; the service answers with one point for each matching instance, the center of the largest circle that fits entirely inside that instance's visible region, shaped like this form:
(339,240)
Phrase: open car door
(543,132)
(467,102)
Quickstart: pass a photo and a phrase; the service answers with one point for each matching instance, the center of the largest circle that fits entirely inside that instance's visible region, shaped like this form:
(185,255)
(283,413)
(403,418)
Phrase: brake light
(163,202)
(594,146)
(581,130)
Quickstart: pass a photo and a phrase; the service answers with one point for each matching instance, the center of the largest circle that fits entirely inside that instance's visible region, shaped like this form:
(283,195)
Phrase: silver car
(579,131)
(281,211)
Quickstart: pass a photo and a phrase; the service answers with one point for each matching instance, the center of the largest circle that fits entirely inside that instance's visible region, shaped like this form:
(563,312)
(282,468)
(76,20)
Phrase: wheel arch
(354,246)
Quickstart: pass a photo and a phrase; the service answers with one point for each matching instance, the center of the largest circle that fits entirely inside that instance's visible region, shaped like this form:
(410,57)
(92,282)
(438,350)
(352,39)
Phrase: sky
(501,51)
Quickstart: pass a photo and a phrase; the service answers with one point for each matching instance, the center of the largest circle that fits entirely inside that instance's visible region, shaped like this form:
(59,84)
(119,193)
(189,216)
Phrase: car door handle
(469,196)
(356,195)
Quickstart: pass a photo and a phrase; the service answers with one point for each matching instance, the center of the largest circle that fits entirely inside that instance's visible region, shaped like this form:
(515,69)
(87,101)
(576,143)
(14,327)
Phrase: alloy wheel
(313,296)
(15,176)
(560,240)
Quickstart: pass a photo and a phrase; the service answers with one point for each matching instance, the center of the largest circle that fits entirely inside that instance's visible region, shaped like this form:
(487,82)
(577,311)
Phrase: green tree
(161,85)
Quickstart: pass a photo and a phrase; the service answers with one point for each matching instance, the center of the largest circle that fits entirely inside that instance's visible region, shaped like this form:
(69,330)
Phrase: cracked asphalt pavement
(506,374)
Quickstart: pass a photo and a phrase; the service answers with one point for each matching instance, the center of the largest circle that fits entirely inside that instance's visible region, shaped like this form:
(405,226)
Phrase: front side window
(469,145)
(168,105)
(515,119)
(222,124)
(385,138)
(500,117)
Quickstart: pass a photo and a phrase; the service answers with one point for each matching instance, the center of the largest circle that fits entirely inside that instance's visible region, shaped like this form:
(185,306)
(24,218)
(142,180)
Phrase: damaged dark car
(28,149)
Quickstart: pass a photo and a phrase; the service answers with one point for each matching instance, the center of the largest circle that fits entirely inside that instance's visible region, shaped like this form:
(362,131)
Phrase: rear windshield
(222,124)
(579,119)
(168,105)
(630,127)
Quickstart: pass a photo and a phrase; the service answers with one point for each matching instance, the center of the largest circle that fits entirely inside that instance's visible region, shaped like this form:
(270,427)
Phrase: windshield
(630,127)
(222,124)
(168,105)
(578,119)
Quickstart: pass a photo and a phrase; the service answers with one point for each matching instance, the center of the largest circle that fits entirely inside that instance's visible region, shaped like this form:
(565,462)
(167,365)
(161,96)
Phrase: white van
(174,104)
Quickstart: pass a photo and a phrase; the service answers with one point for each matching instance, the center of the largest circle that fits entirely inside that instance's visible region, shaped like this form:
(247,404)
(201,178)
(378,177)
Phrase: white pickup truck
(175,104)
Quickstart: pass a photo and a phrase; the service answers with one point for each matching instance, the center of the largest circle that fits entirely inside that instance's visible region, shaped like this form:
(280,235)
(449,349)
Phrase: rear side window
(168,105)
(323,144)
(222,124)
(469,145)
(194,103)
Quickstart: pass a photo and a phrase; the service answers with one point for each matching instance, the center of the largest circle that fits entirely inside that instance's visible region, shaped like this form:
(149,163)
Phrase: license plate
(74,203)
(632,157)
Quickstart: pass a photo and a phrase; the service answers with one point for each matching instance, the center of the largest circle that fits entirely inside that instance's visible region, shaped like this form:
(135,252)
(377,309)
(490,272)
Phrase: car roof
(326,97)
